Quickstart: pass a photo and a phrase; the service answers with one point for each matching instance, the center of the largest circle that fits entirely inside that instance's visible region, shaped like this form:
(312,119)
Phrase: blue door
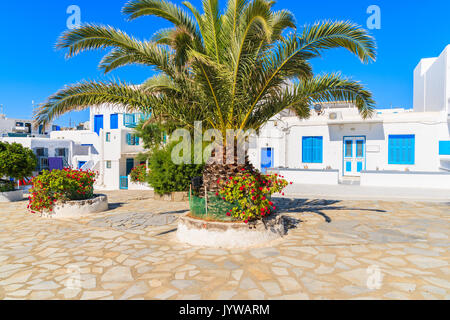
(266,159)
(130,165)
(354,156)
(98,123)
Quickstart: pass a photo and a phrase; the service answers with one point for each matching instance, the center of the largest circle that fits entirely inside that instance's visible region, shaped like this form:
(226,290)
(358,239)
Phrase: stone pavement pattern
(333,250)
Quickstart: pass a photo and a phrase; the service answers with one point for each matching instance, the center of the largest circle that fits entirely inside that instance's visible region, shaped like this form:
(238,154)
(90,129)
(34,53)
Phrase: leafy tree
(230,70)
(16,161)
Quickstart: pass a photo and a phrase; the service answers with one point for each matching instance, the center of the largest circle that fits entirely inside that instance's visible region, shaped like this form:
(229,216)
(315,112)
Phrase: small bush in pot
(252,194)
(55,186)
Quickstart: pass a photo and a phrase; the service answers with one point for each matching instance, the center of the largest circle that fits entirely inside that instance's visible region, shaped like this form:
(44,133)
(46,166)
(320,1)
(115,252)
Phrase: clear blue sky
(31,69)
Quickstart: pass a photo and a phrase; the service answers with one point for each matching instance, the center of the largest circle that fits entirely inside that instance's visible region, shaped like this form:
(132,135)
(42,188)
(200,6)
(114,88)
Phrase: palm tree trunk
(216,170)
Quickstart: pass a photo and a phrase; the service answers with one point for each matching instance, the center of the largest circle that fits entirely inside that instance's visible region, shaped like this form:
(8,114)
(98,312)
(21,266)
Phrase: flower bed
(198,232)
(59,186)
(244,197)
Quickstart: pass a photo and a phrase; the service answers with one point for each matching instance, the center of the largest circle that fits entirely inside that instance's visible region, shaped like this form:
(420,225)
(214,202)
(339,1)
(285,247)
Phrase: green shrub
(6,185)
(16,161)
(252,194)
(165,176)
(55,186)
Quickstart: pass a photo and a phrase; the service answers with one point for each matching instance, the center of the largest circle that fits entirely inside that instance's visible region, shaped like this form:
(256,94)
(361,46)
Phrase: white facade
(45,148)
(111,151)
(393,140)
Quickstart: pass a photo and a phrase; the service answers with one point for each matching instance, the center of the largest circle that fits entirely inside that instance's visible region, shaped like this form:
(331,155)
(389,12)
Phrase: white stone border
(11,196)
(78,208)
(203,233)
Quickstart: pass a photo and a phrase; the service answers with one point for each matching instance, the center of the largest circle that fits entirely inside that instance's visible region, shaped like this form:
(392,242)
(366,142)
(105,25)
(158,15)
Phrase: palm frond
(86,94)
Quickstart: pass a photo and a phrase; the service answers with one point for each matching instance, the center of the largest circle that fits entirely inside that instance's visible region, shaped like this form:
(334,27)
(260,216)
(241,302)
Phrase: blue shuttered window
(114,121)
(312,149)
(132,139)
(129,120)
(401,149)
(444,148)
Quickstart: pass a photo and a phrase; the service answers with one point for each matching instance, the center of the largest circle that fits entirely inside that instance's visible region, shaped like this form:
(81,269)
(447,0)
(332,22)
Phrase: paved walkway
(334,250)
(357,192)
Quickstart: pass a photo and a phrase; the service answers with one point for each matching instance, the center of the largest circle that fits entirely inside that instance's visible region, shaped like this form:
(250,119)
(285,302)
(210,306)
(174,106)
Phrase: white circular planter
(78,208)
(199,232)
(11,196)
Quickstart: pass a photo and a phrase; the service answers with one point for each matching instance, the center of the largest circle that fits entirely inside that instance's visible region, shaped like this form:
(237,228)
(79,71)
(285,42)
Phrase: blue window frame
(132,139)
(444,148)
(98,123)
(312,149)
(401,149)
(129,120)
(114,121)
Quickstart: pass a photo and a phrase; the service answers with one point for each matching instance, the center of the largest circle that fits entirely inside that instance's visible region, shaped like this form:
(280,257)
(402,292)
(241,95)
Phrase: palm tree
(230,70)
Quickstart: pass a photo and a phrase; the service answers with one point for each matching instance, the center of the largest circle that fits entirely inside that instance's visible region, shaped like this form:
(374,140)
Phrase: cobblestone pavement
(335,250)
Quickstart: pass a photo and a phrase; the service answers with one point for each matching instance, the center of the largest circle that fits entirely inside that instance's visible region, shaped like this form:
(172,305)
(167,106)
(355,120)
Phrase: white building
(112,146)
(23,128)
(396,147)
(47,149)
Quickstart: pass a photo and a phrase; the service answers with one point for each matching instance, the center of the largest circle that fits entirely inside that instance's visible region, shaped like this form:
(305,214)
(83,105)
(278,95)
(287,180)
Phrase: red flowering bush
(55,186)
(139,173)
(252,192)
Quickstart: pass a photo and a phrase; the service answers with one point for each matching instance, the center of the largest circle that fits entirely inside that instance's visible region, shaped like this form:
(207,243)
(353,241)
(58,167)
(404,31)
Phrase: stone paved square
(333,250)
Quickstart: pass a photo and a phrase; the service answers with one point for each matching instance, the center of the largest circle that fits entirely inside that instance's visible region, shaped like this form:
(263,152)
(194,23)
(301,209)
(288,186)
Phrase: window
(312,149)
(114,121)
(41,152)
(108,137)
(132,139)
(129,120)
(401,149)
(108,164)
(19,124)
(444,148)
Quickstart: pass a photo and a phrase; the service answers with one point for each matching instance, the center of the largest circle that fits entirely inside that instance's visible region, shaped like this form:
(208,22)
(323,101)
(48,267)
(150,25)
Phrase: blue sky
(31,69)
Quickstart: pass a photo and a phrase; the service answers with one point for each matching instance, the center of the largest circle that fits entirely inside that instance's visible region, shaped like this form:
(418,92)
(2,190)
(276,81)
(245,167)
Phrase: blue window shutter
(312,149)
(306,158)
(401,149)
(114,121)
(444,148)
(318,146)
(128,138)
(136,139)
